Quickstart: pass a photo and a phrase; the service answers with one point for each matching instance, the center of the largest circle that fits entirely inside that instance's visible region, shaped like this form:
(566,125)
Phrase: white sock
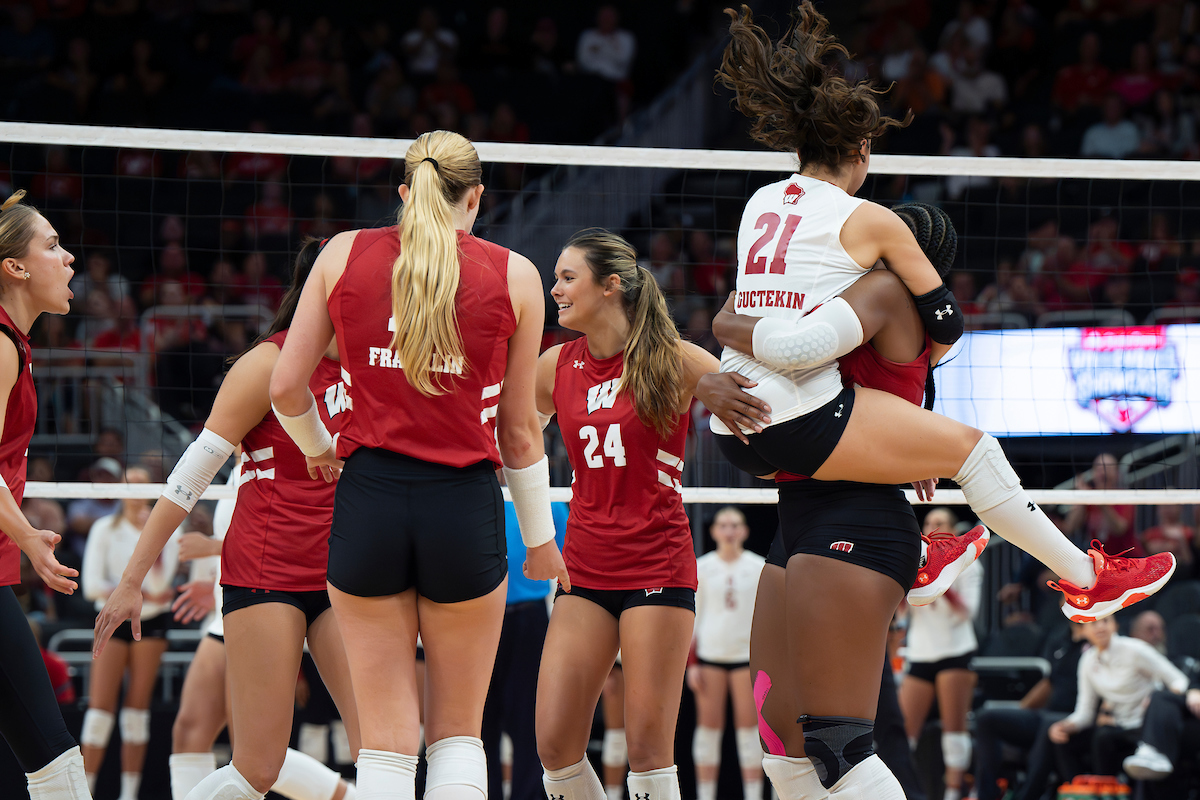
(615,792)
(91,782)
(225,784)
(793,778)
(952,794)
(188,769)
(654,784)
(868,780)
(576,782)
(383,775)
(302,777)
(706,790)
(752,790)
(61,779)
(130,782)
(994,492)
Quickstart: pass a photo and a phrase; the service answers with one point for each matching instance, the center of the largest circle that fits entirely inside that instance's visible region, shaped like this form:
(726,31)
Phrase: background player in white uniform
(840,596)
(110,545)
(941,642)
(728,578)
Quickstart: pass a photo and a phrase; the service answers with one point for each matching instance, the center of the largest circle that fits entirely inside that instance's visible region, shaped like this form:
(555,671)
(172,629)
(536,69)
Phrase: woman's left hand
(327,465)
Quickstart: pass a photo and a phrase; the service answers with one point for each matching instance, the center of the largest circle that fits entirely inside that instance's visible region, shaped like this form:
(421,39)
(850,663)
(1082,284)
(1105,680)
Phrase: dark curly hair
(799,104)
(934,232)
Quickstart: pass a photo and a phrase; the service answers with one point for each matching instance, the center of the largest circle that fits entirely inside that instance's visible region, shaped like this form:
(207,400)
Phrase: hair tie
(432,161)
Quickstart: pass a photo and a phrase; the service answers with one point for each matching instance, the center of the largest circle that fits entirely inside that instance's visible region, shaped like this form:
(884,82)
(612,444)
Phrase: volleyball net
(1079,278)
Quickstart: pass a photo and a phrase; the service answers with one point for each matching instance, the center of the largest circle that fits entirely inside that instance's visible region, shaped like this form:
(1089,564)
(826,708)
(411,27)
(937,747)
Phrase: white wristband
(530,490)
(196,468)
(306,430)
(830,332)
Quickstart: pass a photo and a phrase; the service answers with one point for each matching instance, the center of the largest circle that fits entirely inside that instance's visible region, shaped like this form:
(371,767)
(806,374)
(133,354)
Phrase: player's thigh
(916,698)
(741,694)
(955,689)
(581,646)
(144,659)
(460,641)
(710,697)
(654,649)
(770,669)
(890,440)
(837,625)
(107,675)
(202,712)
(329,654)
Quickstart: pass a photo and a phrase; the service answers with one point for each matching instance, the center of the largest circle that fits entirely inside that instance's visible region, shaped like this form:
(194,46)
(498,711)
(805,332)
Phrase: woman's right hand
(545,562)
(327,465)
(722,394)
(125,603)
(1060,732)
(39,547)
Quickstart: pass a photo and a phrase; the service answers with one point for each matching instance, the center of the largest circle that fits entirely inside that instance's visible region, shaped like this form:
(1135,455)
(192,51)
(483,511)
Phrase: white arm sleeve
(196,468)
(830,332)
(530,490)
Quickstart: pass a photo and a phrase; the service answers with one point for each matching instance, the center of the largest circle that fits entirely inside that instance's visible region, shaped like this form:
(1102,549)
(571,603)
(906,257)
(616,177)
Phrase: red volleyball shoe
(946,556)
(1120,582)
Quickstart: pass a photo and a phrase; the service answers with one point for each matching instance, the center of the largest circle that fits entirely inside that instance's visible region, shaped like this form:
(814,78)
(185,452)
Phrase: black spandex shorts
(615,601)
(928,670)
(214,636)
(313,604)
(399,523)
(730,667)
(867,524)
(153,628)
(799,446)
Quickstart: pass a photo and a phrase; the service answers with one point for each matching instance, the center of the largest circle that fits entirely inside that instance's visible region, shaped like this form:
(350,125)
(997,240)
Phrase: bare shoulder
(875,219)
(331,262)
(549,357)
(521,270)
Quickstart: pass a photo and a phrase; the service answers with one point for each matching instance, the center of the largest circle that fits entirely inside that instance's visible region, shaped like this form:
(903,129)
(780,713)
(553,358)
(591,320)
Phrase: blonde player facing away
(728,578)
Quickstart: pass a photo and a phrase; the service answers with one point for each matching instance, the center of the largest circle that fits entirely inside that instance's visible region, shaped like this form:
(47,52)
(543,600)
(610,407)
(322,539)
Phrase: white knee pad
(749,749)
(456,761)
(135,725)
(97,728)
(986,477)
(383,774)
(956,750)
(793,778)
(706,747)
(576,782)
(61,779)
(654,784)
(302,777)
(225,784)
(868,780)
(615,752)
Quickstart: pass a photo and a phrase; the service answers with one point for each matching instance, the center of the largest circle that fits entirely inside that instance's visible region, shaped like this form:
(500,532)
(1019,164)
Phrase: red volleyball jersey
(19,418)
(279,535)
(456,428)
(627,528)
(864,366)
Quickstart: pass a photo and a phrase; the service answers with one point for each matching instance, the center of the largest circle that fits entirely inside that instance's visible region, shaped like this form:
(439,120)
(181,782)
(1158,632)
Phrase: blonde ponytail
(653,376)
(439,168)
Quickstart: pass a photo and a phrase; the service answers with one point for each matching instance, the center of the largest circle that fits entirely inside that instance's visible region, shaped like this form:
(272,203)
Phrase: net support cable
(586,155)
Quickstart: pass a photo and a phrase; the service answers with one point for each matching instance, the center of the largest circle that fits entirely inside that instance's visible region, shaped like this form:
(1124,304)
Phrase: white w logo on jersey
(602,395)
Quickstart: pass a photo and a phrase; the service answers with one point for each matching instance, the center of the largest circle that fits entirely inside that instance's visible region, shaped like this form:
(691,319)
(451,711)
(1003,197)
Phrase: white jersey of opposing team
(791,260)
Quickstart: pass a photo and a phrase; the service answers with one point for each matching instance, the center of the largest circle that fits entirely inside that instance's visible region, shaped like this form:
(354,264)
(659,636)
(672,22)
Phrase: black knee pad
(837,744)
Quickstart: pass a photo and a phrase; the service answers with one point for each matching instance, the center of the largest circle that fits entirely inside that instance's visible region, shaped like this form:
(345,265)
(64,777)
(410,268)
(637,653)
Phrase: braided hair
(938,239)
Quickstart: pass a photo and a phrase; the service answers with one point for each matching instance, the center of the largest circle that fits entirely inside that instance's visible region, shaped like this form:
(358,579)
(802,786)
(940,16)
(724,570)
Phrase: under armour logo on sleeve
(1032,507)
(948,311)
(185,493)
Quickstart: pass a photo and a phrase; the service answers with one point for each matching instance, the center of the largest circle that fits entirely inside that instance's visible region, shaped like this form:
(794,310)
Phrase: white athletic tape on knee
(615,751)
(706,747)
(456,761)
(986,477)
(654,784)
(188,769)
(196,469)
(832,331)
(576,782)
(61,779)
(135,725)
(956,750)
(97,728)
(793,778)
(749,749)
(383,774)
(868,780)
(302,777)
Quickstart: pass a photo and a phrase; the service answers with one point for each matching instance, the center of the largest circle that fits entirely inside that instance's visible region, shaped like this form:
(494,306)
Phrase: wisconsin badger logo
(1123,374)
(792,194)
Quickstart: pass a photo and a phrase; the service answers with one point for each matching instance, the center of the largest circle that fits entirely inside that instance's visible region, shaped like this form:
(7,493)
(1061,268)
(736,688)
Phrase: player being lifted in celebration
(621,392)
(801,243)
(273,563)
(438,333)
(34,272)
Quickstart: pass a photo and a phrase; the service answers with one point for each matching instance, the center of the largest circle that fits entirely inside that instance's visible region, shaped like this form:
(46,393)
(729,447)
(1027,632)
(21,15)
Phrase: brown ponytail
(790,90)
(653,376)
